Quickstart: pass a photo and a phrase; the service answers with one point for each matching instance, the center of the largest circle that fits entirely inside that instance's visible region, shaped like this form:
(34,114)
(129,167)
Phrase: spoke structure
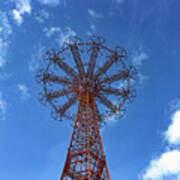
(90,83)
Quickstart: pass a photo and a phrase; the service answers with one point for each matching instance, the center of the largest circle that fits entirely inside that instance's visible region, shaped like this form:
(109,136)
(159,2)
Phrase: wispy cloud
(65,34)
(3,107)
(5,32)
(51,31)
(3,47)
(34,64)
(94,17)
(142,77)
(94,14)
(93,27)
(4,75)
(42,16)
(139,57)
(23,91)
(5,27)
(174,105)
(167,165)
(22,7)
(52,2)
(61,34)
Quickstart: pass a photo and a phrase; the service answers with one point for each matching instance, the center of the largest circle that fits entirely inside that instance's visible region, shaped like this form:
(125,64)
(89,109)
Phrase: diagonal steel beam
(117,92)
(56,94)
(77,58)
(67,105)
(53,78)
(116,77)
(108,63)
(66,68)
(92,61)
(107,103)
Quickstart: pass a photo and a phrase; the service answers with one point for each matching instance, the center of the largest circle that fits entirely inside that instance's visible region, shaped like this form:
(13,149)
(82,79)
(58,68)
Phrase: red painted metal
(85,159)
(90,86)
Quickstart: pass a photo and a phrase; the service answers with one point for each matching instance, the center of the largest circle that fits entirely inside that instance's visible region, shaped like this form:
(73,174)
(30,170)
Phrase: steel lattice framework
(81,78)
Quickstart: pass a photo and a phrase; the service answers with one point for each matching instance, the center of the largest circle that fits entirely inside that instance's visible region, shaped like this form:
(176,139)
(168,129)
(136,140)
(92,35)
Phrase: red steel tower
(78,79)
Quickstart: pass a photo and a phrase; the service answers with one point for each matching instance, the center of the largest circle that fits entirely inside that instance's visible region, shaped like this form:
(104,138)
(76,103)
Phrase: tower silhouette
(93,72)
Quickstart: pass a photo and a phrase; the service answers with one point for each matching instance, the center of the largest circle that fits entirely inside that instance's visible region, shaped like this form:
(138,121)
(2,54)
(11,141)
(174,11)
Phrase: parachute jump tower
(88,84)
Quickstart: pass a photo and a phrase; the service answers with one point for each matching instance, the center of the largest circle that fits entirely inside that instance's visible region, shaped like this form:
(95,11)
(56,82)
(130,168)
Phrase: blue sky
(143,145)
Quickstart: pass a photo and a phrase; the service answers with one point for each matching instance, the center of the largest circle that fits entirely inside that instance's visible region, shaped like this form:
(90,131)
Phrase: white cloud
(34,64)
(42,16)
(3,107)
(17,16)
(142,77)
(5,75)
(52,31)
(65,34)
(50,2)
(5,32)
(175,105)
(2,60)
(173,132)
(3,51)
(94,17)
(5,27)
(139,57)
(61,34)
(22,7)
(168,164)
(92,29)
(94,14)
(24,91)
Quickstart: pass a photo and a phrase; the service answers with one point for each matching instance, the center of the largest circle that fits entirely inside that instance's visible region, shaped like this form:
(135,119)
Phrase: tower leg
(85,159)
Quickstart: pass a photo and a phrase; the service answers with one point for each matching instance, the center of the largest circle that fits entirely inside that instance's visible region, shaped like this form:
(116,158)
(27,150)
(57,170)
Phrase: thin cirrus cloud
(93,27)
(42,16)
(61,34)
(94,14)
(22,7)
(3,107)
(94,17)
(5,32)
(138,59)
(51,31)
(34,64)
(23,91)
(167,165)
(50,2)
(174,105)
